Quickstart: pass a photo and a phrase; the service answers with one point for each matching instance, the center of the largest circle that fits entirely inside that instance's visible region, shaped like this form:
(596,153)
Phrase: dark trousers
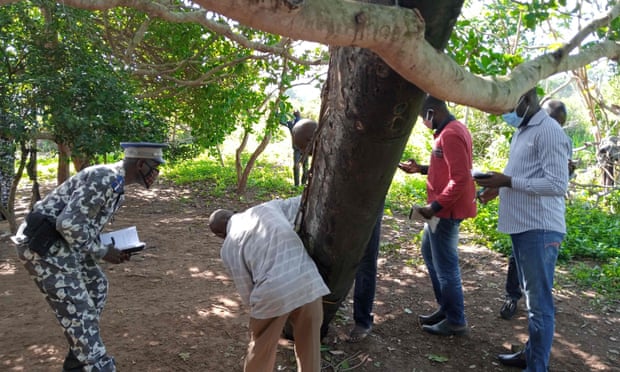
(513,289)
(366,279)
(297,163)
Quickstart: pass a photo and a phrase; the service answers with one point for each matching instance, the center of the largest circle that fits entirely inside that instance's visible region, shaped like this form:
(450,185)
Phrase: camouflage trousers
(77,294)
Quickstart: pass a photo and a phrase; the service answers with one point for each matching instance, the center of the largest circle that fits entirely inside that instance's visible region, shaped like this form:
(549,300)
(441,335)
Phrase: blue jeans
(440,252)
(513,288)
(536,252)
(366,279)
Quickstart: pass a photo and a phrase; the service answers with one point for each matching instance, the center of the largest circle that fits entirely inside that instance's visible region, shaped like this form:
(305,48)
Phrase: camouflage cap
(144,150)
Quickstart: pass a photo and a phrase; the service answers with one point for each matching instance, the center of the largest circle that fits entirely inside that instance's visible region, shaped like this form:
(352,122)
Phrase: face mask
(149,177)
(513,119)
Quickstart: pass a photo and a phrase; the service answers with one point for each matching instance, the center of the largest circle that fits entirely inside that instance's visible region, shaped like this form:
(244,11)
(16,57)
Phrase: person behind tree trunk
(556,110)
(451,198)
(276,278)
(365,285)
(531,209)
(366,273)
(296,151)
(59,245)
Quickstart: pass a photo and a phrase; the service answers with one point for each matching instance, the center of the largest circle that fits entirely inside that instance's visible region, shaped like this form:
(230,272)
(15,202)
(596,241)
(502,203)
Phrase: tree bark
(367,114)
(64,160)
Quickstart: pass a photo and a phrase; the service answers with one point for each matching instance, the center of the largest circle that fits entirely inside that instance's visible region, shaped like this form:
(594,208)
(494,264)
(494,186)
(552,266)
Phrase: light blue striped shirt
(538,165)
(269,264)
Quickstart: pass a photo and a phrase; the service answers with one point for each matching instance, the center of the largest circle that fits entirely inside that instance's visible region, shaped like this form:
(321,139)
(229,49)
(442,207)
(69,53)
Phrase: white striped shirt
(538,165)
(268,262)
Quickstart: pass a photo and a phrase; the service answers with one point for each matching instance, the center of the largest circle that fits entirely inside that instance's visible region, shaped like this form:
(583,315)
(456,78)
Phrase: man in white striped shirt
(531,210)
(276,278)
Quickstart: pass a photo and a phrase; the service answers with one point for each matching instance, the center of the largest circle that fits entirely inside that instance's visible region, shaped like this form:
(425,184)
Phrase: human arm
(115,255)
(495,180)
(487,194)
(548,171)
(450,179)
(237,251)
(537,163)
(411,166)
(91,202)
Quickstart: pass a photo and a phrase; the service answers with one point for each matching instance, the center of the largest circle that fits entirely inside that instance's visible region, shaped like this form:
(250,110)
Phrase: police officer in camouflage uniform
(63,258)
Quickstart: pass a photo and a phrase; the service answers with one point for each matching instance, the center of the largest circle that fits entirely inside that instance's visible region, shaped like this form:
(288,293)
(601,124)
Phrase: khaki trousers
(265,334)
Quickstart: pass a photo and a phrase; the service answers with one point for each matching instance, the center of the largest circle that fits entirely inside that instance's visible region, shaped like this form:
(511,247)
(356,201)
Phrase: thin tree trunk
(64,160)
(243,181)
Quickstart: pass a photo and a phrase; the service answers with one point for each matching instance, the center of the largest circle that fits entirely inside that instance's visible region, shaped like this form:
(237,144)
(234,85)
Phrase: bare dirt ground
(174,308)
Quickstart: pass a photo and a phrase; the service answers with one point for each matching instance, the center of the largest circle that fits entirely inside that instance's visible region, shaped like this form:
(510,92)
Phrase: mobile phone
(480,175)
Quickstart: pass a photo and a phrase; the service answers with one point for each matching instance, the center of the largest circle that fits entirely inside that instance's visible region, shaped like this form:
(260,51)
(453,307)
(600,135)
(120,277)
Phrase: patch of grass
(266,180)
(604,278)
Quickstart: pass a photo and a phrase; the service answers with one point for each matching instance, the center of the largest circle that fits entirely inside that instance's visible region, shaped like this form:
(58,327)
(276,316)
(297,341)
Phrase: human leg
(304,173)
(440,252)
(306,321)
(67,295)
(427,255)
(536,253)
(366,280)
(513,290)
(296,165)
(71,363)
(264,336)
(96,283)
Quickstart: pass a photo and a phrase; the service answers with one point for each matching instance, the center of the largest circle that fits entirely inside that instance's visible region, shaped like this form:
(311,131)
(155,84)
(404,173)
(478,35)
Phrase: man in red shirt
(450,198)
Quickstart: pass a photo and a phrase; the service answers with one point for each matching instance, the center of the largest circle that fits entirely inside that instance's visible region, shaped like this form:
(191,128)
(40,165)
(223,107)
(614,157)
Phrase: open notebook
(124,239)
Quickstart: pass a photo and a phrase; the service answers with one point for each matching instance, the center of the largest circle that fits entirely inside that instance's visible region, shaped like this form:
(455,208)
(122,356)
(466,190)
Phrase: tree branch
(395,34)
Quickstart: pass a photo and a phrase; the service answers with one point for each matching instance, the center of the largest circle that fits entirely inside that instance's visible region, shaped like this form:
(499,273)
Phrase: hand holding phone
(480,175)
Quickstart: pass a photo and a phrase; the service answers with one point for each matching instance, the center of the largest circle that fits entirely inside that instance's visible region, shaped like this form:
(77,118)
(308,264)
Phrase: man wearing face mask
(557,110)
(451,198)
(531,210)
(60,247)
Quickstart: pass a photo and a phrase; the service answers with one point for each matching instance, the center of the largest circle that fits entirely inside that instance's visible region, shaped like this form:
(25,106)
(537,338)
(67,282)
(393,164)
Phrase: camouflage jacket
(82,206)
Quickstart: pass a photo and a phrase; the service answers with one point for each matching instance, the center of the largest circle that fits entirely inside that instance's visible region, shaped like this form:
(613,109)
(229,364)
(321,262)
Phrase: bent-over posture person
(59,245)
(276,278)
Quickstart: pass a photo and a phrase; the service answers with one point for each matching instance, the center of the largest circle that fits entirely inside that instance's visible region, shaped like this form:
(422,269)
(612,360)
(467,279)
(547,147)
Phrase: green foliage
(60,80)
(402,195)
(267,181)
(592,233)
(483,229)
(604,278)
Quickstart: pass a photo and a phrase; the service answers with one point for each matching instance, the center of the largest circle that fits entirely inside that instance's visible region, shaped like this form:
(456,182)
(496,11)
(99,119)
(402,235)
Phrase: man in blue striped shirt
(531,210)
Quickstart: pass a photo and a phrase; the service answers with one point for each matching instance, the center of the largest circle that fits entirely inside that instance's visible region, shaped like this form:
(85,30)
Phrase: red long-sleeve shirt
(449,181)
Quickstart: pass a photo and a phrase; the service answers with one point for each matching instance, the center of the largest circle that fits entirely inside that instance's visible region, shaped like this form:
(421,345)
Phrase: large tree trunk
(367,114)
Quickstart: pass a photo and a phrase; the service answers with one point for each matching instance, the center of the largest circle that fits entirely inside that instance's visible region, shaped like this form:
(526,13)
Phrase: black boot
(72,364)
